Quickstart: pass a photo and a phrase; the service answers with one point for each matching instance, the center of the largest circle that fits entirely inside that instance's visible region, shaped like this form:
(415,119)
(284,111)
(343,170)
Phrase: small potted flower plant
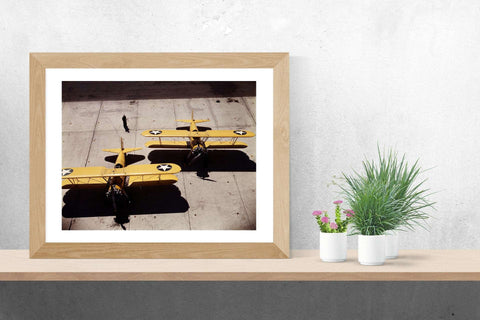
(333,234)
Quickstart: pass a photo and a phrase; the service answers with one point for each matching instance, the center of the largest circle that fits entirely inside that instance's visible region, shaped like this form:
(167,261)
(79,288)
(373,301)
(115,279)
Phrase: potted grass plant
(409,194)
(375,212)
(333,234)
(386,197)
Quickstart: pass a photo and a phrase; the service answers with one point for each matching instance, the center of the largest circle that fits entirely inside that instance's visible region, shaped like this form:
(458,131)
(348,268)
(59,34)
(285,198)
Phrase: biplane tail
(122,149)
(125,150)
(193,120)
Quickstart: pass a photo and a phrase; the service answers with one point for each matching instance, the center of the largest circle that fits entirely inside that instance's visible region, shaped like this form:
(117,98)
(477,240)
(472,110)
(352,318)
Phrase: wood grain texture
(305,265)
(159,60)
(37,155)
(158,250)
(279,248)
(281,155)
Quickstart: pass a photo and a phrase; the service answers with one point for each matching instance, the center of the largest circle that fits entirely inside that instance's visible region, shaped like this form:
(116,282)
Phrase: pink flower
(349,213)
(333,225)
(338,202)
(317,213)
(324,219)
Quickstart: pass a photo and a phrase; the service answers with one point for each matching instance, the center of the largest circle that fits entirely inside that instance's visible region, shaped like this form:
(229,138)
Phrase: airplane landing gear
(120,203)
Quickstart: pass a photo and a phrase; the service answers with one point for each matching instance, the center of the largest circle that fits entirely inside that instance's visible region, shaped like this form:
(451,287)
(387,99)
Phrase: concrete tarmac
(224,199)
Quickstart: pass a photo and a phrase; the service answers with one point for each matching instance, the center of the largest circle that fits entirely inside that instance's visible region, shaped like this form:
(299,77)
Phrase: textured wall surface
(400,73)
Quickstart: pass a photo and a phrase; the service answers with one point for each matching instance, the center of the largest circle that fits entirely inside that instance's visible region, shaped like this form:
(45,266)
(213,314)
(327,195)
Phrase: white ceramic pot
(333,247)
(391,244)
(371,250)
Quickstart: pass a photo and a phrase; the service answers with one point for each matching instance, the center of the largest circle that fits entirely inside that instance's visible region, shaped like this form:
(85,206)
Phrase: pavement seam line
(245,103)
(209,108)
(183,178)
(89,148)
(188,210)
(241,199)
(93,134)
(136,129)
(174,114)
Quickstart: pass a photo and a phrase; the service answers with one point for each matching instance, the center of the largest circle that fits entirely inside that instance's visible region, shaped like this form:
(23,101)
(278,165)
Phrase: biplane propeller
(197,141)
(120,176)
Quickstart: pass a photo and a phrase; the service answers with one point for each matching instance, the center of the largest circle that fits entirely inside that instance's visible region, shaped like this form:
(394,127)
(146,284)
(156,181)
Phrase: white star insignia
(66,172)
(240,132)
(164,167)
(155,132)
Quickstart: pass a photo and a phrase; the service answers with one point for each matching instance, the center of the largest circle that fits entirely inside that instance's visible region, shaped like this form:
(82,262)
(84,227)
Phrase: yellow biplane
(197,139)
(116,179)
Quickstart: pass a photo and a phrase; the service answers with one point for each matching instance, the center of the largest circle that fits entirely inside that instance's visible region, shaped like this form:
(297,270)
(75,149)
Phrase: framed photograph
(159,155)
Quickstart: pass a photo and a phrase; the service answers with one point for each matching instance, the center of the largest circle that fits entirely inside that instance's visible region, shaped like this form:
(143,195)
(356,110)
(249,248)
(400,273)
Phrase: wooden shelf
(305,265)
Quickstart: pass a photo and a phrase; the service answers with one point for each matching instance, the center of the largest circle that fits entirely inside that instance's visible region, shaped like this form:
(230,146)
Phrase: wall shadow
(82,203)
(218,160)
(136,90)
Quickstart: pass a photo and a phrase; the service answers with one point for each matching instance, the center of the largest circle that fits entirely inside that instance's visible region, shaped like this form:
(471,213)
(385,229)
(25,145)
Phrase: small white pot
(371,250)
(333,247)
(391,244)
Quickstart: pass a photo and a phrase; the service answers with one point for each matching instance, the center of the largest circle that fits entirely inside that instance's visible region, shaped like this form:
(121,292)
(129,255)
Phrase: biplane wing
(92,176)
(198,134)
(151,169)
(98,176)
(146,174)
(185,145)
(166,133)
(229,134)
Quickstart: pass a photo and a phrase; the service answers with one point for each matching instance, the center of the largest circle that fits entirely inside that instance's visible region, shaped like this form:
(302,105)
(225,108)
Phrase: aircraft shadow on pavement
(82,203)
(129,159)
(218,160)
(200,128)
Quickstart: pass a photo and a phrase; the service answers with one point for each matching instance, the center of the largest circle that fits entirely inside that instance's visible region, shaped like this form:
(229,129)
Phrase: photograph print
(159,155)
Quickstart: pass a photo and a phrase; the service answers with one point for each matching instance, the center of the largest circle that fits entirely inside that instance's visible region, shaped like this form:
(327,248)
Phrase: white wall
(400,73)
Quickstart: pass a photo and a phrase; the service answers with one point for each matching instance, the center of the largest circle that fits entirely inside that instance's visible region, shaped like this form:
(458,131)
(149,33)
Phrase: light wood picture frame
(278,248)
